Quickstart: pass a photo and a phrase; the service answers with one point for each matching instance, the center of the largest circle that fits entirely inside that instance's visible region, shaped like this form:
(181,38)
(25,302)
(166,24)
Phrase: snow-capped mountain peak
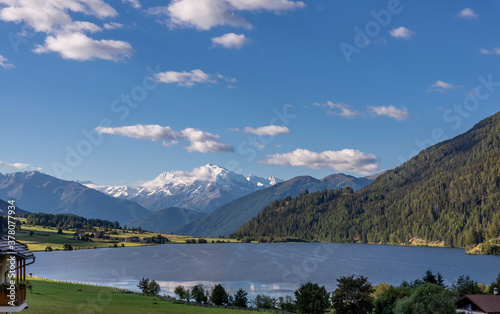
(263,182)
(207,173)
(203,189)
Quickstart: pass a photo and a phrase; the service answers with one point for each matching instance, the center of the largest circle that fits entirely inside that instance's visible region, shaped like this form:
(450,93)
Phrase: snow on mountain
(204,189)
(263,182)
(119,191)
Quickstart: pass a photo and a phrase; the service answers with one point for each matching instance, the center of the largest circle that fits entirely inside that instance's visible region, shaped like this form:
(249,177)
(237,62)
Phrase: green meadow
(42,237)
(57,297)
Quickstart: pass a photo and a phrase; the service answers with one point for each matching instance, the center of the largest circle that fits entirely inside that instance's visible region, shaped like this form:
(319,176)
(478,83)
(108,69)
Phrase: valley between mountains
(447,195)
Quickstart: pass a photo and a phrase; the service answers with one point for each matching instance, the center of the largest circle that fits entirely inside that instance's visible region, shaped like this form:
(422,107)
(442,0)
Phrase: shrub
(427,298)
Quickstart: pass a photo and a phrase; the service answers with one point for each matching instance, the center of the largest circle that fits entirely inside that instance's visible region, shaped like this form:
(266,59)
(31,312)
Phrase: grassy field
(56,297)
(46,236)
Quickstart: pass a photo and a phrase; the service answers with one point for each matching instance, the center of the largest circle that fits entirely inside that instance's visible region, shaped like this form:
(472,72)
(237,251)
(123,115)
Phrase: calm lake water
(271,268)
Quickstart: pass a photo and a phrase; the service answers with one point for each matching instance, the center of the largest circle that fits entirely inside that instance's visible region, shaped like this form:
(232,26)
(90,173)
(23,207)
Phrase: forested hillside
(166,220)
(448,192)
(229,217)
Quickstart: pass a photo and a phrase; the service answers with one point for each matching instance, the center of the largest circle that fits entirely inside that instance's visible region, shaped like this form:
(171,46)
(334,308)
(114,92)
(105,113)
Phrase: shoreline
(473,251)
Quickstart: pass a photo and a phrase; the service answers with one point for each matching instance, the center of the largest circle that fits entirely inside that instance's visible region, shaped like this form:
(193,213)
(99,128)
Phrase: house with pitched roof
(479,303)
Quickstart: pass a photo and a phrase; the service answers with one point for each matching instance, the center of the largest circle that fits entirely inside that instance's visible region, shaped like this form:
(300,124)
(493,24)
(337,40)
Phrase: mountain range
(240,198)
(204,189)
(449,193)
(38,192)
(229,217)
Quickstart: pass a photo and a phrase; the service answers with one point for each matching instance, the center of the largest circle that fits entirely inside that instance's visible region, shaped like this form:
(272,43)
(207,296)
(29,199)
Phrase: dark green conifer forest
(449,192)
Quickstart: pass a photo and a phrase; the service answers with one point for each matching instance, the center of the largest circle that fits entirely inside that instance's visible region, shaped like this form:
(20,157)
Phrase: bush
(427,298)
(386,302)
(311,298)
(202,240)
(380,289)
(48,249)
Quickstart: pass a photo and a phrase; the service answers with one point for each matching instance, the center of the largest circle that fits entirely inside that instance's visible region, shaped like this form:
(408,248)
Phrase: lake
(271,268)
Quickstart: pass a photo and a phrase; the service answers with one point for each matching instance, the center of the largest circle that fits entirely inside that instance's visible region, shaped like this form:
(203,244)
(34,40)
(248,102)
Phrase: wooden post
(17,271)
(24,270)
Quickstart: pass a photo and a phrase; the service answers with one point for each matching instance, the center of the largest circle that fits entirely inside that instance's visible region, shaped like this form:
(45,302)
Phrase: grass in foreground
(57,297)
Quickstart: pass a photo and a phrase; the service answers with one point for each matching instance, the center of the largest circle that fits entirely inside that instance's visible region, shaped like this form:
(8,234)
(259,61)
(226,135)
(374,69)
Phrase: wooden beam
(17,271)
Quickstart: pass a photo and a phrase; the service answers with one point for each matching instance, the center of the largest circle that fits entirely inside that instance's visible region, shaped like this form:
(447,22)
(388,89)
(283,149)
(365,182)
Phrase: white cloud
(82,27)
(494,51)
(204,142)
(17,165)
(468,14)
(142,132)
(206,14)
(4,63)
(230,41)
(133,3)
(189,79)
(227,79)
(79,46)
(65,36)
(440,86)
(113,25)
(390,111)
(339,109)
(401,33)
(348,160)
(200,141)
(270,130)
(50,16)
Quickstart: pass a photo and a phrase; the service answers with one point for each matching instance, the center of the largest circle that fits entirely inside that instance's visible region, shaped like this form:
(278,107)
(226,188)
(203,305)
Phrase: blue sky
(120,91)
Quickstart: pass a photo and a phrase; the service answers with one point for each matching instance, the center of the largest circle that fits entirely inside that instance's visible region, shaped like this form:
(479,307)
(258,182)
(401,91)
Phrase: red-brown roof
(488,303)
